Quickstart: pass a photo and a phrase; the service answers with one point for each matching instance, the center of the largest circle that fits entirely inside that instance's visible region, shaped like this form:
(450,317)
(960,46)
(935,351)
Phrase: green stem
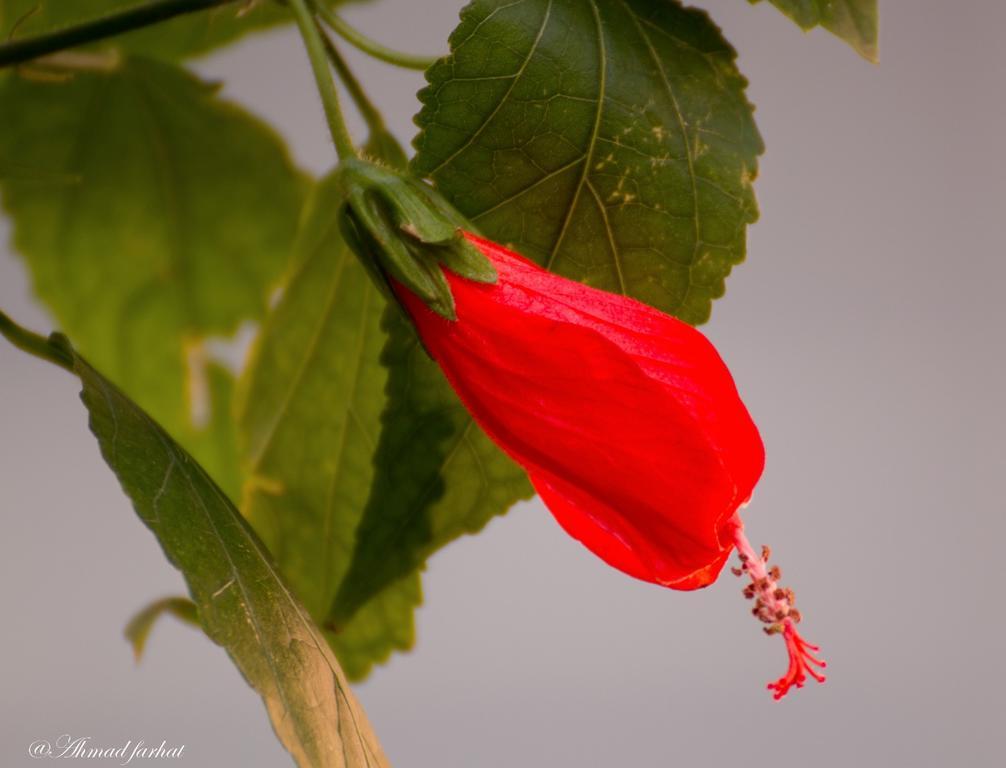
(368,46)
(20,51)
(323,77)
(381,144)
(32,343)
(370,114)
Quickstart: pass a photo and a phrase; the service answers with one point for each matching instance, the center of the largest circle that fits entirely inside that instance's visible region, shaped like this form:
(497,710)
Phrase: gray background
(865,334)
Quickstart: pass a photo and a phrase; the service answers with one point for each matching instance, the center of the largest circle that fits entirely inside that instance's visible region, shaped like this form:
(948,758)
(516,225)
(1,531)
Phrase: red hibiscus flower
(626,420)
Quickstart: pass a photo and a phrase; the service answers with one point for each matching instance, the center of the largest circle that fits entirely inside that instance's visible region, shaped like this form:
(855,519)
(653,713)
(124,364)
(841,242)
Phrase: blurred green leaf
(855,21)
(151,214)
(608,140)
(309,418)
(437,475)
(242,601)
(214,443)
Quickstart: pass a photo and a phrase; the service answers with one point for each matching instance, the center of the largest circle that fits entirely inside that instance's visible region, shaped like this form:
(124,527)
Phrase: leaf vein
(506,95)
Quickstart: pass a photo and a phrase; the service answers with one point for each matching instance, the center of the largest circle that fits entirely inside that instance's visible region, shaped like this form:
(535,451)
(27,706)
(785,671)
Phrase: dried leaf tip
(775,607)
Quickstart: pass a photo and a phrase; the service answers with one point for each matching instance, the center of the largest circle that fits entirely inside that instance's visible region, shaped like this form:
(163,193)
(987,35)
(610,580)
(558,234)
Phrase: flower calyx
(403,230)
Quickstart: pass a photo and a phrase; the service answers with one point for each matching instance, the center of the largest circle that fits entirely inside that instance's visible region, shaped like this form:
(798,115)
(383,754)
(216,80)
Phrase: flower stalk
(381,145)
(370,114)
(318,56)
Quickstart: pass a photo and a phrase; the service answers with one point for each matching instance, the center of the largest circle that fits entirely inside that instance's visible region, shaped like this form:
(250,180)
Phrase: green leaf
(608,140)
(242,601)
(437,475)
(138,629)
(382,625)
(151,214)
(855,21)
(309,417)
(188,35)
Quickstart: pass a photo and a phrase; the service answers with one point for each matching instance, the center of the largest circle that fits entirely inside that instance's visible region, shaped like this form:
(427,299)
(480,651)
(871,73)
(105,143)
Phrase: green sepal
(462,258)
(404,230)
(383,245)
(356,240)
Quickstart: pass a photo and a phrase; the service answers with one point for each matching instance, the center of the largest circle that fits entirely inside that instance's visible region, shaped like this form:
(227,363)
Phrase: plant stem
(20,51)
(323,77)
(358,40)
(369,113)
(32,343)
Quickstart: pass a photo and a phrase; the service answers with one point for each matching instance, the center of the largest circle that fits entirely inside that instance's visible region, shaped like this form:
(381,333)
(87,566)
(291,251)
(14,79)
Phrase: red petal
(626,420)
(604,533)
(666,348)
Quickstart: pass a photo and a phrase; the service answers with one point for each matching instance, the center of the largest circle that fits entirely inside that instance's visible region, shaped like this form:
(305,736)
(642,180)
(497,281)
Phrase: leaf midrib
(588,157)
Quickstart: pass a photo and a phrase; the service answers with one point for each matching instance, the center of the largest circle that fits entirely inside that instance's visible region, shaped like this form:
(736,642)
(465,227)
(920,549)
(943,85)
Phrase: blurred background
(866,335)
